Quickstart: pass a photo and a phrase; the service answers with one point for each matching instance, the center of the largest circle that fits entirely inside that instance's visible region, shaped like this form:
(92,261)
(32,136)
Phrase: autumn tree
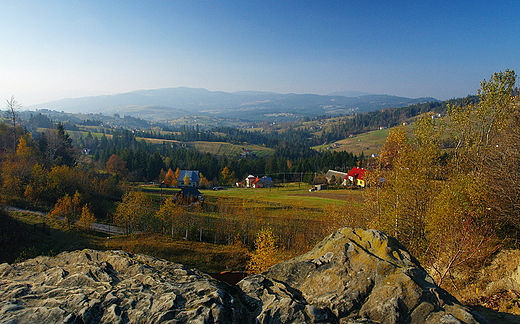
(169,178)
(36,190)
(116,165)
(175,179)
(62,180)
(203,181)
(499,153)
(404,182)
(87,217)
(266,252)
(135,210)
(16,169)
(227,177)
(170,214)
(447,205)
(68,208)
(478,203)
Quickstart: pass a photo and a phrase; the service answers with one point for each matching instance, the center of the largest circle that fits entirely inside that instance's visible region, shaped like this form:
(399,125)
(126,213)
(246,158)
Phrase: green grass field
(291,195)
(218,148)
(228,149)
(368,143)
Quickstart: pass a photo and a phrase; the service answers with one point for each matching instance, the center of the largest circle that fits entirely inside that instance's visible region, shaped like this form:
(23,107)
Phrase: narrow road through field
(102,228)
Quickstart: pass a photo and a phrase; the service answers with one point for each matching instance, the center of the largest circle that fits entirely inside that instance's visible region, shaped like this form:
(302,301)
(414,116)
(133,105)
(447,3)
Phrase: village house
(356,176)
(335,177)
(249,181)
(247,154)
(193,178)
(254,182)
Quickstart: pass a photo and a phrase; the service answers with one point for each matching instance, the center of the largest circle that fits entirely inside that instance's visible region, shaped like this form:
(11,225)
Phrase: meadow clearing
(298,218)
(216,237)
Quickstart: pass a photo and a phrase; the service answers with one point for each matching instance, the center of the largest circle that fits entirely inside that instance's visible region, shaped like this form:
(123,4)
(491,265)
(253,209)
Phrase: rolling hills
(171,103)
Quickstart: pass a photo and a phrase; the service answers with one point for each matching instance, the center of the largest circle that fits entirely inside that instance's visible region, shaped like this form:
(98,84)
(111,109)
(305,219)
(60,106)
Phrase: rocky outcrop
(353,276)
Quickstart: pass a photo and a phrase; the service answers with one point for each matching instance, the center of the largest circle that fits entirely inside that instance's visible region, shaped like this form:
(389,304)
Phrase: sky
(71,48)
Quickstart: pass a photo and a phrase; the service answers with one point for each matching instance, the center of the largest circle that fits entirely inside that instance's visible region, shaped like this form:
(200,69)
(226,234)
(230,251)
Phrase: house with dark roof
(188,196)
(193,176)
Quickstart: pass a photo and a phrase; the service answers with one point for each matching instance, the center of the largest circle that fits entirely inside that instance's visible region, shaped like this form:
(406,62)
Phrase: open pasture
(228,149)
(293,195)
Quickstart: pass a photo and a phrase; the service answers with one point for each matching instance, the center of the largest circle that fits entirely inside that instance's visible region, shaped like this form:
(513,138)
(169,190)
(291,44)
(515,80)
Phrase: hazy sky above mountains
(69,48)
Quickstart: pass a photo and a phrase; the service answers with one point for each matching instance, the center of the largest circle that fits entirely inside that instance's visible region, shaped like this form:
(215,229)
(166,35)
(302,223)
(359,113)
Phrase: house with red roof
(255,182)
(356,176)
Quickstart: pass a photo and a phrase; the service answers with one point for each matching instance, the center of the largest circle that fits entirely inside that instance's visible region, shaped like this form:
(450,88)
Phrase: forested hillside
(100,137)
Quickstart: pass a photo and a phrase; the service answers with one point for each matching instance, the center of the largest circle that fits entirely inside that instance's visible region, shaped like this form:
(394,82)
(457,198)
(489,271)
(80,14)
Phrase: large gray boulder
(353,276)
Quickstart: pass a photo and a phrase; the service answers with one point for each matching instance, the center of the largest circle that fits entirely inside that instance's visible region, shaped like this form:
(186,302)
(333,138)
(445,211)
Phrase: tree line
(38,170)
(143,161)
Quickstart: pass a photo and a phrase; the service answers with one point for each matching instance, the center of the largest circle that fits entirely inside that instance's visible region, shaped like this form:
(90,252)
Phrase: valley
(196,193)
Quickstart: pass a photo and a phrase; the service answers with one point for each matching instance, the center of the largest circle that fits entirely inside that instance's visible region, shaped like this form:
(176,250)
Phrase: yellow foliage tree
(87,217)
(227,176)
(175,180)
(170,214)
(36,190)
(135,210)
(187,180)
(16,169)
(203,181)
(169,178)
(67,207)
(447,205)
(406,177)
(266,253)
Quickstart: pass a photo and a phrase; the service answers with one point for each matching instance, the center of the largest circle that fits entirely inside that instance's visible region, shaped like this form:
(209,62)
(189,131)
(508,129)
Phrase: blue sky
(56,49)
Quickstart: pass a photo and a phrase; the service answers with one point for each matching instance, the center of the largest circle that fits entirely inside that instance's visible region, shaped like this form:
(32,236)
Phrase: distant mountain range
(172,103)
(350,93)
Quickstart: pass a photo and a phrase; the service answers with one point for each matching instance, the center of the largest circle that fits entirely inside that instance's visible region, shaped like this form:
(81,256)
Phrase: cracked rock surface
(352,276)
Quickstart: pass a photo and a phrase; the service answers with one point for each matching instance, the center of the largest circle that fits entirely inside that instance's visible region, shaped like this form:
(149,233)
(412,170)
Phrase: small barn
(188,196)
(335,177)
